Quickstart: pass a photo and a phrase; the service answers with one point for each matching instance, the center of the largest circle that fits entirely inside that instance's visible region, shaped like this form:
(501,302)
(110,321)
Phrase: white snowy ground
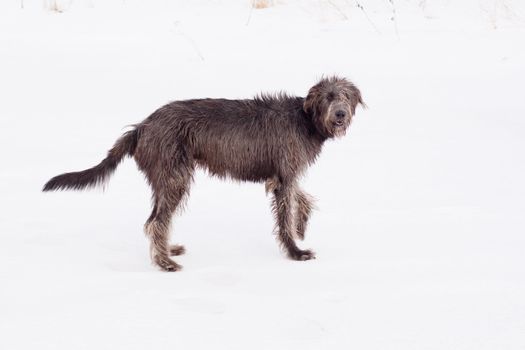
(420,232)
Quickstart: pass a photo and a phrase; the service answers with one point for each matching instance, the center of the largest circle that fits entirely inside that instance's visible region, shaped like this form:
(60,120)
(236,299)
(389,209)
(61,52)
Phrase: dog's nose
(340,114)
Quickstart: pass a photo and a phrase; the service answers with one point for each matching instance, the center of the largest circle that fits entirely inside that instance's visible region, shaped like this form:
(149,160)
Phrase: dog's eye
(330,96)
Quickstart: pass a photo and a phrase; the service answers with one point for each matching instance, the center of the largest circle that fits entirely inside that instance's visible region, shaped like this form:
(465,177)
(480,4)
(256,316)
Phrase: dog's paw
(166,264)
(170,267)
(177,249)
(302,255)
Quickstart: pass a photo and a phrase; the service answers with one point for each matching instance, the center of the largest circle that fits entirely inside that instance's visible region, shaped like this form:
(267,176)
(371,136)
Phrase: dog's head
(331,104)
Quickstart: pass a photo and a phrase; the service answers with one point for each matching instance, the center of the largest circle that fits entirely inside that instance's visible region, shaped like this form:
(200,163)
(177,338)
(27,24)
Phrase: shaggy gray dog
(271,138)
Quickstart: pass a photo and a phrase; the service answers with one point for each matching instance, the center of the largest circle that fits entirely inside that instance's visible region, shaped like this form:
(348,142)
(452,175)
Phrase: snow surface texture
(420,228)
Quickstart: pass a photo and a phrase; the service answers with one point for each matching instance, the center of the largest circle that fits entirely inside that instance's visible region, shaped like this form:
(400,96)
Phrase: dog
(270,139)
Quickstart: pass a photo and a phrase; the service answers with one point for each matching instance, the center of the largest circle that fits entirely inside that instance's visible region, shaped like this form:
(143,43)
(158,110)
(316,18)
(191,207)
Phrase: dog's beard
(329,129)
(339,131)
(336,131)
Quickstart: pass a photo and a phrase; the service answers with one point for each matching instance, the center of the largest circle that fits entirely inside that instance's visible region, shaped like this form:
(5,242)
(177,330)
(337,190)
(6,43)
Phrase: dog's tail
(100,173)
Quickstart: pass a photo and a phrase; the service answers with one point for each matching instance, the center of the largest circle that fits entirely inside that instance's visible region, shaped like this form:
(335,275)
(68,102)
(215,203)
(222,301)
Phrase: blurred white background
(420,228)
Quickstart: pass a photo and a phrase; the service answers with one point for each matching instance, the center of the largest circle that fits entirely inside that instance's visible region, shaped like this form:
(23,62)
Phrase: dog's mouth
(338,123)
(339,127)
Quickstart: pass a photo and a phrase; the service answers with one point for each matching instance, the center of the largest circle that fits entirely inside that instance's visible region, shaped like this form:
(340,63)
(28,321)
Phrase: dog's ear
(356,99)
(360,99)
(307,105)
(310,100)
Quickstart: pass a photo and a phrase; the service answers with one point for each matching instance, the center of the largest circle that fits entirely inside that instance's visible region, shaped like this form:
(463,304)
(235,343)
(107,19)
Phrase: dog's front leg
(282,206)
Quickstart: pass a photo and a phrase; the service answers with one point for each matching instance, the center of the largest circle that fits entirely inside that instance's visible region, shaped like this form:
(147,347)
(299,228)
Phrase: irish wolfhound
(271,139)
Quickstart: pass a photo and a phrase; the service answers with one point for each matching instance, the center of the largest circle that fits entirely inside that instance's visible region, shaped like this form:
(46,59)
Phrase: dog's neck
(313,131)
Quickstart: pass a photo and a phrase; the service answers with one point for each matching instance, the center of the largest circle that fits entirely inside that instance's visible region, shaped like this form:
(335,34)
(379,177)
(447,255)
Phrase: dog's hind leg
(302,211)
(169,193)
(282,207)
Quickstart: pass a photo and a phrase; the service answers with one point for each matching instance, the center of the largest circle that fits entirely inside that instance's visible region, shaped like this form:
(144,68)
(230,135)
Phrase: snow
(420,227)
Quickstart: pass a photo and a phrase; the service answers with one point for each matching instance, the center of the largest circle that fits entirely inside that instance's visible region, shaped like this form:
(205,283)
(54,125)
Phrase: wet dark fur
(272,139)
